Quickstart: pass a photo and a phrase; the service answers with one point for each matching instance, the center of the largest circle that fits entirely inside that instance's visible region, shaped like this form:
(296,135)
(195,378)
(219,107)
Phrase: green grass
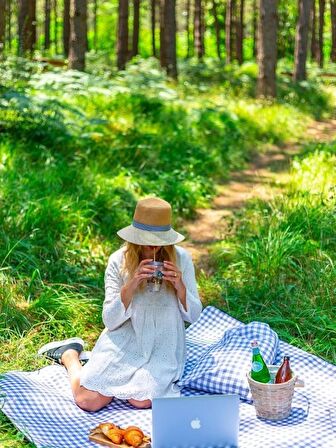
(78,149)
(280,265)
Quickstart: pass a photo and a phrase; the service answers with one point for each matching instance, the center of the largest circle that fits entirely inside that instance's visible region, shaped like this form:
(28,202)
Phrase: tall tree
(168,37)
(122,42)
(301,40)
(66,27)
(240,32)
(95,24)
(333,30)
(230,30)
(188,7)
(267,48)
(162,34)
(255,27)
(47,11)
(27,25)
(33,23)
(55,26)
(78,39)
(217,28)
(199,29)
(9,23)
(136,27)
(320,54)
(313,42)
(153,26)
(2,24)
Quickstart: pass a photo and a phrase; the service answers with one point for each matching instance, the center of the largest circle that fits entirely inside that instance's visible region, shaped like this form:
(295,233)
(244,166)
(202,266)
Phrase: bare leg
(145,404)
(86,399)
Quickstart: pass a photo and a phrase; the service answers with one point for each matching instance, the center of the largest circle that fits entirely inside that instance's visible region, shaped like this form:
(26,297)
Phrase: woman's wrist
(180,288)
(181,293)
(126,293)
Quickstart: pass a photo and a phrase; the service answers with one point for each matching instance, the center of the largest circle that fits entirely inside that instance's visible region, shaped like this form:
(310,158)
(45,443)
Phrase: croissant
(134,427)
(116,435)
(111,431)
(106,426)
(133,436)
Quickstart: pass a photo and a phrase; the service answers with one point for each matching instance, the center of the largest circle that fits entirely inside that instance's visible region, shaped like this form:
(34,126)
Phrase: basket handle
(299,383)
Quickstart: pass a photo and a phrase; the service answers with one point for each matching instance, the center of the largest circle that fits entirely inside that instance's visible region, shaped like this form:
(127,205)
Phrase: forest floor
(263,178)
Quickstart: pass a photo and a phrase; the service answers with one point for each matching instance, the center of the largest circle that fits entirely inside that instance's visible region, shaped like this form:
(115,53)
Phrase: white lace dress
(141,352)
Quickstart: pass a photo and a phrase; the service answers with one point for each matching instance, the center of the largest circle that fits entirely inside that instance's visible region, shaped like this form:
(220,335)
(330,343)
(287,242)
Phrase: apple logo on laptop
(196,423)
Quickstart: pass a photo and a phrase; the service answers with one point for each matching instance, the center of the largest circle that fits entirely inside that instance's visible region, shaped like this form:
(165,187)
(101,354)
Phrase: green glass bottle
(259,369)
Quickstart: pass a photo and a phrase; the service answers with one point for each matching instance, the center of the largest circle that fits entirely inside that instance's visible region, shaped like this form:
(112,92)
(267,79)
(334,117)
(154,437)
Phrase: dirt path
(261,179)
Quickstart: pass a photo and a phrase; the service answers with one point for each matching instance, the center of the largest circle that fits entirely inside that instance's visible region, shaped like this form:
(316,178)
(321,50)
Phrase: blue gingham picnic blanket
(41,406)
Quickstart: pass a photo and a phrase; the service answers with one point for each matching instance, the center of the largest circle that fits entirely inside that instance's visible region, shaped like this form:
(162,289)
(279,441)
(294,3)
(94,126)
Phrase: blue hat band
(148,227)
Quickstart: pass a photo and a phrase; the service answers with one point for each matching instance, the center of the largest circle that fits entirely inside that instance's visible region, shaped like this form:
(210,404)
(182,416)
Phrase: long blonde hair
(132,257)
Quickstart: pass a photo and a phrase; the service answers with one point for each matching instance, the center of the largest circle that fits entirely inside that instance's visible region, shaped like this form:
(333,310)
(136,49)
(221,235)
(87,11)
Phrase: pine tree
(267,48)
(78,38)
(301,40)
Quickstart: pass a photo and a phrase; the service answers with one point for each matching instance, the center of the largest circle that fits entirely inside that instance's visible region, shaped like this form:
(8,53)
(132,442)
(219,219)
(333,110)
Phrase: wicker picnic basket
(272,401)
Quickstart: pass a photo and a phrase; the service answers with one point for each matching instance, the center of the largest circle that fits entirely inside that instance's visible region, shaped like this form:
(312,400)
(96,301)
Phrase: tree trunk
(27,25)
(66,27)
(47,11)
(199,29)
(301,40)
(313,42)
(153,26)
(228,34)
(333,30)
(122,42)
(240,32)
(255,27)
(87,46)
(229,27)
(188,29)
(33,23)
(136,27)
(320,55)
(168,37)
(9,23)
(55,26)
(2,25)
(267,48)
(162,34)
(95,25)
(23,18)
(77,42)
(217,28)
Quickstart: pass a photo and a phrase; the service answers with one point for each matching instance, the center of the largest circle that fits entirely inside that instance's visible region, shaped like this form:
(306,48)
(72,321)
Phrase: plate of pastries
(109,434)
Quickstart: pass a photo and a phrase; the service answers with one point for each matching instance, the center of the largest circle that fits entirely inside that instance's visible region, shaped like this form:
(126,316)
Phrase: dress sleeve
(194,305)
(114,311)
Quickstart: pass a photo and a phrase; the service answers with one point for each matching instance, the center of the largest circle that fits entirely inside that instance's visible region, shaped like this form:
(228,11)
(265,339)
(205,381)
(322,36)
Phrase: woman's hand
(172,274)
(143,272)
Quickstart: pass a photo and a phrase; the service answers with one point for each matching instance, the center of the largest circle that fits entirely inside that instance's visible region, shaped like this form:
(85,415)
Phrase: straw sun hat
(151,225)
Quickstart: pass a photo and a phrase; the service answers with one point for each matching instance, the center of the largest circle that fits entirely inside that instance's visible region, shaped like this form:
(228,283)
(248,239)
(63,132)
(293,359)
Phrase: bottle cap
(254,343)
(286,358)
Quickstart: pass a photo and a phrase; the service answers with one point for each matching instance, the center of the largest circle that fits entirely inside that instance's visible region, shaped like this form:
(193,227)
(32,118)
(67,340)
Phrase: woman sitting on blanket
(140,355)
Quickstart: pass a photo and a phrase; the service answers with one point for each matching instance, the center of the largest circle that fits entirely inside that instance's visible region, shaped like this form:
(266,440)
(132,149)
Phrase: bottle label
(256,366)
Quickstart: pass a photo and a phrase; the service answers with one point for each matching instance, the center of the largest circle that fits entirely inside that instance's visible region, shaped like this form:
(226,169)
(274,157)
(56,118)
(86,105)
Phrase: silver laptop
(204,421)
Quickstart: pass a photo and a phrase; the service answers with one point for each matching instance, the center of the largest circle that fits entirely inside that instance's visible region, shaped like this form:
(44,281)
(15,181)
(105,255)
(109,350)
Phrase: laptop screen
(195,422)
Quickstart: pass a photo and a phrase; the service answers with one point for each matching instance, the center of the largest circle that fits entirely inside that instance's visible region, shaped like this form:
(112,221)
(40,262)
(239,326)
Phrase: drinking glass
(155,282)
